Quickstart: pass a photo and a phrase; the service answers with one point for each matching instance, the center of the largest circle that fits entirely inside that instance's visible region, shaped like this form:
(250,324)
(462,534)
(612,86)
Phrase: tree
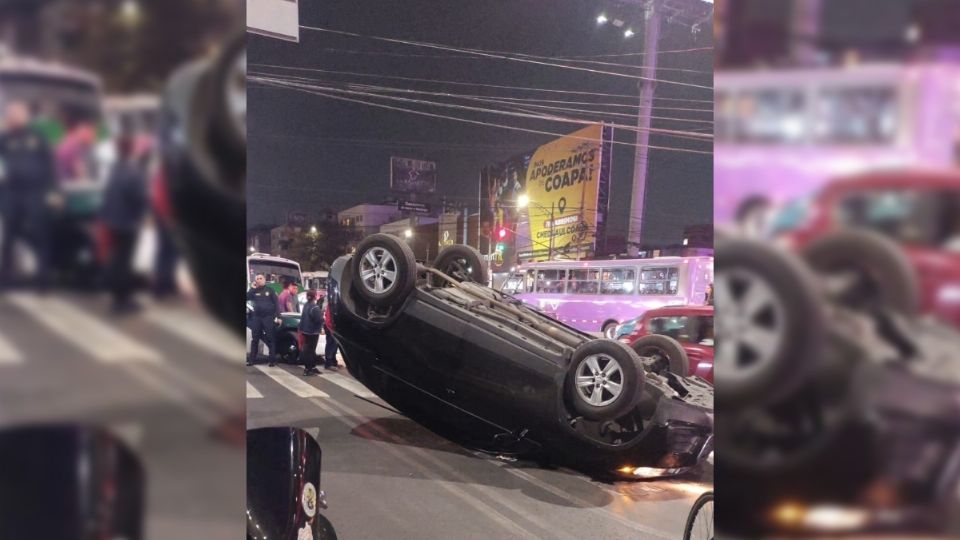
(317,251)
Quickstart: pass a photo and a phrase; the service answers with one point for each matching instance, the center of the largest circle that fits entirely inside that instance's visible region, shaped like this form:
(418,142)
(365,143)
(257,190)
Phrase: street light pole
(641,155)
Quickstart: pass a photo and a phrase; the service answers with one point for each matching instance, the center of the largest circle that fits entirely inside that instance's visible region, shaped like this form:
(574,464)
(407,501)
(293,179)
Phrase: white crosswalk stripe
(253,393)
(292,383)
(9,354)
(349,384)
(84,330)
(200,331)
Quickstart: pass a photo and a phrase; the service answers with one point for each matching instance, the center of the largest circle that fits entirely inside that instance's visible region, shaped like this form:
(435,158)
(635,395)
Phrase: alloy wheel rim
(750,325)
(599,380)
(378,270)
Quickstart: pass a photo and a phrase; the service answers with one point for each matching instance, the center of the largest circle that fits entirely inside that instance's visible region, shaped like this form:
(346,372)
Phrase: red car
(918,210)
(678,338)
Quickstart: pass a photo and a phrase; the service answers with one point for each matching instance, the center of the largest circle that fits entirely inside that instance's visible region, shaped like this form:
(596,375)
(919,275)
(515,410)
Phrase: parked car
(277,270)
(675,338)
(917,209)
(440,347)
(283,486)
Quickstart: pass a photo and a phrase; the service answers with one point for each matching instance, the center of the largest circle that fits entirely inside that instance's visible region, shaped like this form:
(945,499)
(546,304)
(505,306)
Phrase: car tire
(460,262)
(665,352)
(384,270)
(770,323)
(878,273)
(619,364)
(291,346)
(608,329)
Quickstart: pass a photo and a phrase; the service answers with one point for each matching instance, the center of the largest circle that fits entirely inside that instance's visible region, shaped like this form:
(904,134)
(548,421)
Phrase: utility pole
(651,36)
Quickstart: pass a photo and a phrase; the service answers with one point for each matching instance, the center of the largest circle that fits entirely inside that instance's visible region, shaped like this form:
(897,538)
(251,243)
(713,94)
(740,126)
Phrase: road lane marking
(253,393)
(292,383)
(8,353)
(349,384)
(84,330)
(200,331)
(417,463)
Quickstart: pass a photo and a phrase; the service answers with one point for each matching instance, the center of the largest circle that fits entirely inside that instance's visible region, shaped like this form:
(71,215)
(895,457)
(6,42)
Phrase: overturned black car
(445,350)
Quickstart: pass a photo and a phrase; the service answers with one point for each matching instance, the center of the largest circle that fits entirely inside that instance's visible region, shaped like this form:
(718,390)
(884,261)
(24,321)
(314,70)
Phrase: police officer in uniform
(265,315)
(28,194)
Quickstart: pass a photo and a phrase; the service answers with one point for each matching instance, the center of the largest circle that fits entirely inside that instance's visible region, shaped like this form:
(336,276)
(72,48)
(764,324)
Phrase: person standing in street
(125,203)
(288,297)
(311,321)
(330,350)
(28,195)
(265,316)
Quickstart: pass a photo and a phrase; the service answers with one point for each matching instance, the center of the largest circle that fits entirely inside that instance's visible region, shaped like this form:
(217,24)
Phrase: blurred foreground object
(69,482)
(283,486)
(204,159)
(840,408)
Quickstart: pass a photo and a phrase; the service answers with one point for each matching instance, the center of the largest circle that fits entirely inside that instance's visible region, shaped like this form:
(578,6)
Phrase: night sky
(308,152)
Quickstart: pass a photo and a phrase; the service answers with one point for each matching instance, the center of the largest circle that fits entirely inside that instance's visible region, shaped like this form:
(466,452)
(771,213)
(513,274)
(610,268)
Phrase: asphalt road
(165,380)
(388,477)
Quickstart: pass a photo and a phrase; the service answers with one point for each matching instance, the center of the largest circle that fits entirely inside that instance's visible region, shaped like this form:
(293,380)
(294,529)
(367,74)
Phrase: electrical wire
(513,57)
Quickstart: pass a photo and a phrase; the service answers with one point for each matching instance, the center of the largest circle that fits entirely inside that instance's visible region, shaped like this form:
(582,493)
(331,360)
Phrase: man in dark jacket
(311,321)
(124,207)
(263,320)
(28,194)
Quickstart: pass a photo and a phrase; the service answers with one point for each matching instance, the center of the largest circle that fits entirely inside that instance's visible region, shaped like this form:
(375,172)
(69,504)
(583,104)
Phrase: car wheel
(324,529)
(288,347)
(609,328)
(384,270)
(769,320)
(662,353)
(863,270)
(604,379)
(462,263)
(752,215)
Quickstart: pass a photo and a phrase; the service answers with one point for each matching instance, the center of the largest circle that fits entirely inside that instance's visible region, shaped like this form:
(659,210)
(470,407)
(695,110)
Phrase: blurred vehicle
(445,348)
(316,281)
(57,95)
(917,209)
(840,408)
(699,524)
(277,270)
(596,296)
(283,486)
(783,134)
(69,482)
(675,338)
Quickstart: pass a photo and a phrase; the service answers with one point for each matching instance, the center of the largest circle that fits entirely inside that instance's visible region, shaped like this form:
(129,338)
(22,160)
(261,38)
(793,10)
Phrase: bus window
(771,116)
(659,280)
(550,281)
(858,115)
(584,281)
(618,281)
(725,116)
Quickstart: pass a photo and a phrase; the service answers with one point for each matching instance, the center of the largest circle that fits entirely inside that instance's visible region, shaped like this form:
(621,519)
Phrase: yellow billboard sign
(562,184)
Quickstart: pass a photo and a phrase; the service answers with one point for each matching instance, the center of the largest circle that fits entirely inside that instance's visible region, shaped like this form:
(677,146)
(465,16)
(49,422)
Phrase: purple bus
(596,296)
(782,135)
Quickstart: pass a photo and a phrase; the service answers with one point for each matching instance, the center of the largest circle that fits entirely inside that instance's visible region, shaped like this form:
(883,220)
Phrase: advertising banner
(412,175)
(567,185)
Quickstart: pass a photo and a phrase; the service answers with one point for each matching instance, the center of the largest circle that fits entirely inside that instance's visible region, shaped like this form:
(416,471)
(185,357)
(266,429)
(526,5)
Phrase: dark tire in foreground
(604,379)
(700,520)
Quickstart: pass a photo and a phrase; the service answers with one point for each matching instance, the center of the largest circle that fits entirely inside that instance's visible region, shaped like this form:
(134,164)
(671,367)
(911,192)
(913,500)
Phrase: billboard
(412,175)
(567,184)
(274,18)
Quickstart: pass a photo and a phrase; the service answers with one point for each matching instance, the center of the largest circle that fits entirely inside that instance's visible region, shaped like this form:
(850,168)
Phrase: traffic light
(501,247)
(502,233)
